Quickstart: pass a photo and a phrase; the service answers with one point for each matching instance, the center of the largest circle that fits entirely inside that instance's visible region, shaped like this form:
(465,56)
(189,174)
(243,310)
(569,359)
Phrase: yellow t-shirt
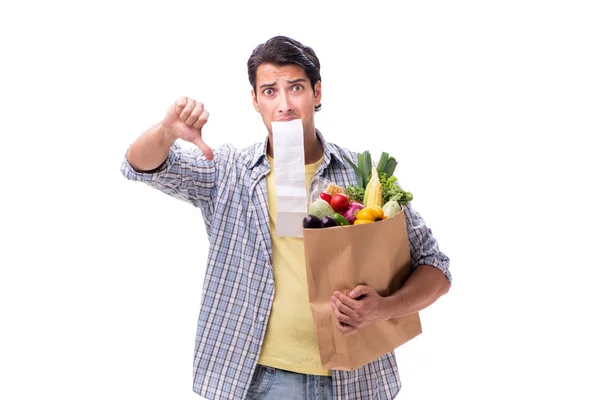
(291,339)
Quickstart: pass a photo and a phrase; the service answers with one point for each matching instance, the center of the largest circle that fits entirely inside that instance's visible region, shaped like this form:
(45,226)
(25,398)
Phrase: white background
(491,109)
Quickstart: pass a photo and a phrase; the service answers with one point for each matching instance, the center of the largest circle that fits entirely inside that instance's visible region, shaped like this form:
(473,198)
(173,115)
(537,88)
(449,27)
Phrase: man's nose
(284,105)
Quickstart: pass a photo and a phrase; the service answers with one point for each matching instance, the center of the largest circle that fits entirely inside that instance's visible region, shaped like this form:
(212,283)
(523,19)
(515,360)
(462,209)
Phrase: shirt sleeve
(186,174)
(424,248)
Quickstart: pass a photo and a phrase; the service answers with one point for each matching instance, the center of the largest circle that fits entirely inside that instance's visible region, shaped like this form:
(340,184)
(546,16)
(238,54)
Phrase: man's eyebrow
(264,85)
(267,85)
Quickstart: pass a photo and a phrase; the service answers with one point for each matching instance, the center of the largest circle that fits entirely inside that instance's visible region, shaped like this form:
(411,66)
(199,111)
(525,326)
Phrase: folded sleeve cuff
(149,176)
(442,265)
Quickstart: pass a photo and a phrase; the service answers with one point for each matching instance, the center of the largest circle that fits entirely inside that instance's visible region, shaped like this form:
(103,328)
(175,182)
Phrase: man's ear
(318,92)
(255,102)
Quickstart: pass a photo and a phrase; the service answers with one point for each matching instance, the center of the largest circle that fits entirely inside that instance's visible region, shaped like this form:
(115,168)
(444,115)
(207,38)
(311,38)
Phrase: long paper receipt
(290,179)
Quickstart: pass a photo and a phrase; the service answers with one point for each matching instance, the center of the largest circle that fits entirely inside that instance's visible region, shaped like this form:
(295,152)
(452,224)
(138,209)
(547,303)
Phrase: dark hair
(281,50)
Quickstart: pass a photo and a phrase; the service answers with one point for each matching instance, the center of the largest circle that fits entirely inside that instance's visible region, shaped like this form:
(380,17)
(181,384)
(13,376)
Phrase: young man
(256,338)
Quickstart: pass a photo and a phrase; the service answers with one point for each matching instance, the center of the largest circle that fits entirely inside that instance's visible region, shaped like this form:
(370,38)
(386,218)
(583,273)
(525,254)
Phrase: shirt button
(252,356)
(261,318)
(270,281)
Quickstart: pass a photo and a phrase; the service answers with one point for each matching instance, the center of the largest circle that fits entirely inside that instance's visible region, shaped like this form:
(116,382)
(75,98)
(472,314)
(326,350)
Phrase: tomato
(339,203)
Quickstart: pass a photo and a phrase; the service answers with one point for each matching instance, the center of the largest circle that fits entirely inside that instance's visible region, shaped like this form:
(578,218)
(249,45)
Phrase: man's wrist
(395,305)
(389,307)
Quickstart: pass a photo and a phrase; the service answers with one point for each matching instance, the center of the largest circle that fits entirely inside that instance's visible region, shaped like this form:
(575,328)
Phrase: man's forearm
(424,286)
(151,149)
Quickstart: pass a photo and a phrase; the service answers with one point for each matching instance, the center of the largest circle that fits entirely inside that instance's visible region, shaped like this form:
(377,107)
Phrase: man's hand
(361,308)
(185,120)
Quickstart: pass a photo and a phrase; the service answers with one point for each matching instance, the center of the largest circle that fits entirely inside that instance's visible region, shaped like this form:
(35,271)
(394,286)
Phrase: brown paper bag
(340,258)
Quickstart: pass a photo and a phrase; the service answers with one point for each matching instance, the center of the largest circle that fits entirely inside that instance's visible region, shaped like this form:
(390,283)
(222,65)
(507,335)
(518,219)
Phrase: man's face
(284,93)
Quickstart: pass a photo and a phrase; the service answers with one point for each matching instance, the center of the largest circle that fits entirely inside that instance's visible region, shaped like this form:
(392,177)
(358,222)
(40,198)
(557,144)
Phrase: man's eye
(268,92)
(297,88)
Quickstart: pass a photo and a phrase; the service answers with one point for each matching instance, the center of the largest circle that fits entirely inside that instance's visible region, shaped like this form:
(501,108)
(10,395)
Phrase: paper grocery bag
(340,258)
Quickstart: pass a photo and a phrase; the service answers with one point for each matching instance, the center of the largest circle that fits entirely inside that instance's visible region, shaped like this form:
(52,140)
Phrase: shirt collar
(329,150)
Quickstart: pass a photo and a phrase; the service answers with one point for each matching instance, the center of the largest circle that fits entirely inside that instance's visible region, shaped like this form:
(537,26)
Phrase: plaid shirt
(231,192)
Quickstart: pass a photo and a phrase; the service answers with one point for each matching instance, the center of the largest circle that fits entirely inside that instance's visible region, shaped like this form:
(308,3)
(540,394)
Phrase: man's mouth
(288,118)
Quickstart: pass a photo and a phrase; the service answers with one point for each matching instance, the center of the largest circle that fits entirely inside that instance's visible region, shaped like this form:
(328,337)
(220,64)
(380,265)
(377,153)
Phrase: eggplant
(311,222)
(328,222)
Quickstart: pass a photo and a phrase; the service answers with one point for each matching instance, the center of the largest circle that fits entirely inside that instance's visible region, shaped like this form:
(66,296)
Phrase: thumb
(361,290)
(208,153)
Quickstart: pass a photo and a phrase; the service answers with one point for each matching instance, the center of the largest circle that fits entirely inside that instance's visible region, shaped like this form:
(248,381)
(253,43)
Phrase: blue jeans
(276,384)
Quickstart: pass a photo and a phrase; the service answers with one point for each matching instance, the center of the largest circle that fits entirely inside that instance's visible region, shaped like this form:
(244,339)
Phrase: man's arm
(423,287)
(151,149)
(158,160)
(429,280)
(184,120)
(364,306)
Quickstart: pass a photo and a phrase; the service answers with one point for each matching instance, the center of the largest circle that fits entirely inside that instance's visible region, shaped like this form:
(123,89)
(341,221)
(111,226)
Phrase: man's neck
(313,150)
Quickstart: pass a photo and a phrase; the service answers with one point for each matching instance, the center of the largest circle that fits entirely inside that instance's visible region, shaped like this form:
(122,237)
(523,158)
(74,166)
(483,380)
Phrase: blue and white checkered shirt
(231,192)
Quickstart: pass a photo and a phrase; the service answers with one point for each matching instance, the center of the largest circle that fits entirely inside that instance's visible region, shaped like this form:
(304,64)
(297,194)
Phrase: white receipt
(290,178)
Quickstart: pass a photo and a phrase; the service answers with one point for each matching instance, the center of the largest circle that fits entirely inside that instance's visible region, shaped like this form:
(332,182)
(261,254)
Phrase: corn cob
(373,191)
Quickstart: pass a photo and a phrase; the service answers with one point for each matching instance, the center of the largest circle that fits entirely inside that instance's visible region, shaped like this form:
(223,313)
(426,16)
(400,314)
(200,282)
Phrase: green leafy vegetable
(391,191)
(355,193)
(385,167)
